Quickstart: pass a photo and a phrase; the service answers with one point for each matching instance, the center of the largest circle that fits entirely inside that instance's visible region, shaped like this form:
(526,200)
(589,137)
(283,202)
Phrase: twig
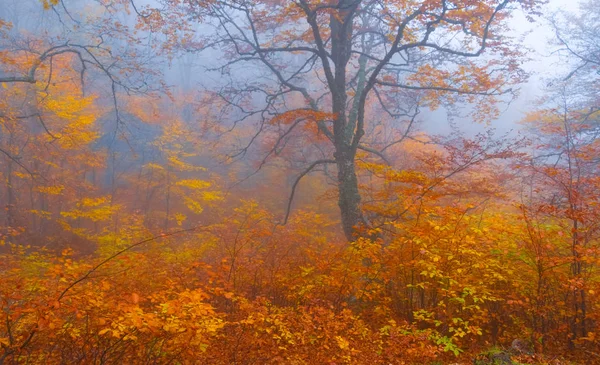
(92,270)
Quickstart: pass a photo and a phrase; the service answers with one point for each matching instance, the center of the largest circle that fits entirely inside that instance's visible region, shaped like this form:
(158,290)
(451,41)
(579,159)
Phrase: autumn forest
(299,182)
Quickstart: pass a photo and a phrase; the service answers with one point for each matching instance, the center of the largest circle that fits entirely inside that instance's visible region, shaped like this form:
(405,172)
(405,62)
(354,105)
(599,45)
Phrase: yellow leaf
(194,184)
(342,343)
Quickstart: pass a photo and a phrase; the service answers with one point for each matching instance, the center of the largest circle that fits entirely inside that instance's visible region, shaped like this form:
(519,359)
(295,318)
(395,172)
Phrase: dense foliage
(132,234)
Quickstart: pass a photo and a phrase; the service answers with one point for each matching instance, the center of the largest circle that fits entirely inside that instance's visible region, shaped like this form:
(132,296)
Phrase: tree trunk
(349,196)
(10,203)
(343,131)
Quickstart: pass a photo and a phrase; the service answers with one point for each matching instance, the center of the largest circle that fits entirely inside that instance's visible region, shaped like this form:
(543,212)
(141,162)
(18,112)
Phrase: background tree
(565,173)
(559,199)
(577,36)
(64,67)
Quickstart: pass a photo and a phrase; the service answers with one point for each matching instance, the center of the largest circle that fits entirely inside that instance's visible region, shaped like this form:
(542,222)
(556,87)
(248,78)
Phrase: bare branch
(128,248)
(16,160)
(442,88)
(375,152)
(297,181)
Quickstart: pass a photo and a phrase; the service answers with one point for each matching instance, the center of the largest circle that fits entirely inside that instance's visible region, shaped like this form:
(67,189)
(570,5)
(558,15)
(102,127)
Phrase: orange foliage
(126,250)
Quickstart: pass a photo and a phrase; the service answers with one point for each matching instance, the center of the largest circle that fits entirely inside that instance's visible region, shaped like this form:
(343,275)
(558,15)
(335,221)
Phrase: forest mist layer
(264,182)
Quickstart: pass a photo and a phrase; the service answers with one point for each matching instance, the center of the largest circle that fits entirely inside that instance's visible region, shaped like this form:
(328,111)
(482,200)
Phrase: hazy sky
(536,37)
(543,64)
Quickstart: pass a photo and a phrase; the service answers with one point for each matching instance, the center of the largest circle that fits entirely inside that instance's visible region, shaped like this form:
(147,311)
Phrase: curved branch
(306,171)
(128,248)
(16,160)
(375,152)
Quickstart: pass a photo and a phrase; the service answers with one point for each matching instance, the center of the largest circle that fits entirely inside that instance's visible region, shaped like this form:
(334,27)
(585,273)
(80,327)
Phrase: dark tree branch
(128,248)
(375,152)
(297,181)
(441,88)
(16,160)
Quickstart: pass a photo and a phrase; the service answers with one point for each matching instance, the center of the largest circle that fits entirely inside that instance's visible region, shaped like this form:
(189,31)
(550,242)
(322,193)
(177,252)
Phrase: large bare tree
(324,63)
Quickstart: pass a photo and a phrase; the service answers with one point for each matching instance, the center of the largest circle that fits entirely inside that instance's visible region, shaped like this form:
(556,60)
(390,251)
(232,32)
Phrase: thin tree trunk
(10,201)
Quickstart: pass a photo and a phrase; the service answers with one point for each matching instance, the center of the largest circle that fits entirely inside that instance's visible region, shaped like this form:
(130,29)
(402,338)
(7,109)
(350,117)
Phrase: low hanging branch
(375,152)
(128,248)
(306,171)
